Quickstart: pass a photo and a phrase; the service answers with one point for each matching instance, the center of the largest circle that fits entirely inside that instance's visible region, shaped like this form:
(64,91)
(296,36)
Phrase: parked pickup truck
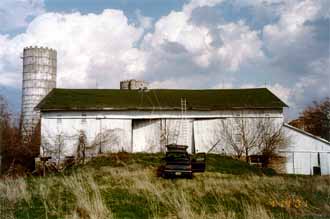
(179,163)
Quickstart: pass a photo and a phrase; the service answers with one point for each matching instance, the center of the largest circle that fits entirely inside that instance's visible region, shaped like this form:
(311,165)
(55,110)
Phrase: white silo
(39,78)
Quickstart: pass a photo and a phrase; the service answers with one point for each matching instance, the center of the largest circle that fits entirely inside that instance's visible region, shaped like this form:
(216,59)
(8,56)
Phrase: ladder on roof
(182,129)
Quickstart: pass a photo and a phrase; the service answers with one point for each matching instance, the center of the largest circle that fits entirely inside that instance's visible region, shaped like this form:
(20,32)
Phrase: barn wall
(165,114)
(103,135)
(304,152)
(209,136)
(137,131)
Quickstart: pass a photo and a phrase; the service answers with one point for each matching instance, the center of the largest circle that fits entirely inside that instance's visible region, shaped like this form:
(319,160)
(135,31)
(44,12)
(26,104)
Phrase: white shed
(306,153)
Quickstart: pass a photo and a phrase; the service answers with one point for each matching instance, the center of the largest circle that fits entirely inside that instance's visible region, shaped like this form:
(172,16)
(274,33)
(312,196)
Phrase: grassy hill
(126,186)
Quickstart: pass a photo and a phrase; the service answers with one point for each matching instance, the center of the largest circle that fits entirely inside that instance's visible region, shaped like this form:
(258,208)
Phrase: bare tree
(16,155)
(263,136)
(82,146)
(242,135)
(105,138)
(230,137)
(4,120)
(273,138)
(59,148)
(53,149)
(57,145)
(1,131)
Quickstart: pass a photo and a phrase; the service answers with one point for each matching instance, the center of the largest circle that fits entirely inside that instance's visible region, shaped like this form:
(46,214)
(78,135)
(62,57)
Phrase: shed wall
(305,152)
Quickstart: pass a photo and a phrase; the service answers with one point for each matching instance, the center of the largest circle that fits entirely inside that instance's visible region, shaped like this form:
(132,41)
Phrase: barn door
(146,135)
(114,135)
(178,131)
(206,135)
(325,163)
(302,163)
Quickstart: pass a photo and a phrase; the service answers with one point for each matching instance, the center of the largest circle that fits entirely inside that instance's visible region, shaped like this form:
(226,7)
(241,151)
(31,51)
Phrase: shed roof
(307,133)
(159,99)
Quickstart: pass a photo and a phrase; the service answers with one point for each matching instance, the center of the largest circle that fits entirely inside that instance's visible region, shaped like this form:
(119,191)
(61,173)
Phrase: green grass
(227,165)
(126,186)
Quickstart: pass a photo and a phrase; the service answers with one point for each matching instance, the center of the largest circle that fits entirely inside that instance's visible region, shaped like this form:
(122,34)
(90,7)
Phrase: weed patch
(126,186)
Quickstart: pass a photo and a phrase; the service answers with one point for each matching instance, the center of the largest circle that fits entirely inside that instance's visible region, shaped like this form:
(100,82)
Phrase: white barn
(143,120)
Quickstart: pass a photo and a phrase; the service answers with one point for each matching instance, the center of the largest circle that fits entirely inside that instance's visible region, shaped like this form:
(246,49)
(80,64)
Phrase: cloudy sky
(281,44)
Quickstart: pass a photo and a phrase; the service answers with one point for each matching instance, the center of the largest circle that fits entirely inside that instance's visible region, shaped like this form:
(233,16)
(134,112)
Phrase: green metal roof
(159,99)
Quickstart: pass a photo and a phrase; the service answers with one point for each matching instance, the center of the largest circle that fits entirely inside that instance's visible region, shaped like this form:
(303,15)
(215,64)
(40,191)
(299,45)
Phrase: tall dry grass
(181,198)
(51,193)
(107,192)
(12,191)
(89,202)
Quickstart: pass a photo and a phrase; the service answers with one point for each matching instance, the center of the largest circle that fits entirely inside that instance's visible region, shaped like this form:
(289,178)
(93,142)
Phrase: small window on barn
(237,138)
(59,119)
(83,118)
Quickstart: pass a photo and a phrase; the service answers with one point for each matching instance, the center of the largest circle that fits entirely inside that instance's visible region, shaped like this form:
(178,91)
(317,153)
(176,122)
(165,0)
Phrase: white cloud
(193,4)
(176,28)
(321,67)
(284,93)
(9,79)
(16,13)
(277,8)
(291,24)
(295,49)
(224,85)
(240,44)
(316,84)
(93,48)
(108,48)
(291,34)
(178,83)
(145,22)
(166,84)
